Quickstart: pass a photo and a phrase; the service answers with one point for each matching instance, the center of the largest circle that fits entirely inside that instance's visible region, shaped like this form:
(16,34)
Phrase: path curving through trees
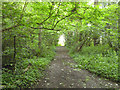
(62,73)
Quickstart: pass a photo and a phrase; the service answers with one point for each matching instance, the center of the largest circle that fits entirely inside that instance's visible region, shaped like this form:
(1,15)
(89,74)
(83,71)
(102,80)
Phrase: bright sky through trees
(62,40)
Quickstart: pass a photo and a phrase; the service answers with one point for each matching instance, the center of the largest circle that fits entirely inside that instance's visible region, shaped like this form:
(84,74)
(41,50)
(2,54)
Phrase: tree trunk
(14,60)
(39,39)
(80,47)
(94,41)
(1,50)
(80,38)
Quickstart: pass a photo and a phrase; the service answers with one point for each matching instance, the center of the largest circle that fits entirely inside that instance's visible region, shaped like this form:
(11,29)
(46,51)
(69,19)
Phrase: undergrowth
(24,79)
(98,59)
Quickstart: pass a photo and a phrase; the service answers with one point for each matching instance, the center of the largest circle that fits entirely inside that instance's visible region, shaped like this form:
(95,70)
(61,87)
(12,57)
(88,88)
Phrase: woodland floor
(61,73)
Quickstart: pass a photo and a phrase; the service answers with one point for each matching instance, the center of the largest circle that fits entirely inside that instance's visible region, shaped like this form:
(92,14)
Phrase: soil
(62,73)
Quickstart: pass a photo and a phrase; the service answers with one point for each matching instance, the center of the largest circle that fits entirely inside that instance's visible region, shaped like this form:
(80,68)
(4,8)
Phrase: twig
(27,67)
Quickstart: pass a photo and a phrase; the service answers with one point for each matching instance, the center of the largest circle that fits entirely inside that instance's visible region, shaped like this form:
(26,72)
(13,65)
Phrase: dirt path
(62,74)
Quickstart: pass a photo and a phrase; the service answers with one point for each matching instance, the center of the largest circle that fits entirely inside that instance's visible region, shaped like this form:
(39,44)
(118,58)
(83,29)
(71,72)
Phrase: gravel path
(62,73)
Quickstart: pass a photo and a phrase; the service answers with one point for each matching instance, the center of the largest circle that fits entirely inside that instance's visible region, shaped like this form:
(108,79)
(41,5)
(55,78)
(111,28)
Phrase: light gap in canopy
(61,40)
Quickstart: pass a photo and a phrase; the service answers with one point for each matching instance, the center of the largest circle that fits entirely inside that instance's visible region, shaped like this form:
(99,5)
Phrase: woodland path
(62,73)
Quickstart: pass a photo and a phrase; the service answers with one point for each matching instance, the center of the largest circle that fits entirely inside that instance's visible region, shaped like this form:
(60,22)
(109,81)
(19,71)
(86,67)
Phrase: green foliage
(48,52)
(34,26)
(23,79)
(95,47)
(100,60)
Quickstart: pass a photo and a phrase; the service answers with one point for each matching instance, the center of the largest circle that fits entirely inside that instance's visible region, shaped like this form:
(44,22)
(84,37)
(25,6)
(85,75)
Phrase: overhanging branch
(44,20)
(72,11)
(50,14)
(21,16)
(62,19)
(25,5)
(57,12)
(5,29)
(46,28)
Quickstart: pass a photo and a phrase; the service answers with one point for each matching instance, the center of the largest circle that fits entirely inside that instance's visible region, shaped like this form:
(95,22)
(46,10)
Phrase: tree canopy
(32,29)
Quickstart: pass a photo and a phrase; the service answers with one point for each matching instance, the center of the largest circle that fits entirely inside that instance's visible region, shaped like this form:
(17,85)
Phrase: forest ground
(62,73)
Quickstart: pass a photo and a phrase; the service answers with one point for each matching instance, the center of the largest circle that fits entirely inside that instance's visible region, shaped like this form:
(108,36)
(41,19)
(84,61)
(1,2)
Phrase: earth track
(62,73)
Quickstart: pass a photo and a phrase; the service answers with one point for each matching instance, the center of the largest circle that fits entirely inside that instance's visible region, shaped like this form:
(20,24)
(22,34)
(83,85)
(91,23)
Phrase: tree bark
(39,39)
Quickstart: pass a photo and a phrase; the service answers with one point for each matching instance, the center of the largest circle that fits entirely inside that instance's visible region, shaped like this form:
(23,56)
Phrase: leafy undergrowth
(98,60)
(27,72)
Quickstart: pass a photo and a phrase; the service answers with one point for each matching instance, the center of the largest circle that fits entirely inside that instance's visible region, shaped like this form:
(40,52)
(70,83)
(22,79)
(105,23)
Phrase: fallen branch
(27,67)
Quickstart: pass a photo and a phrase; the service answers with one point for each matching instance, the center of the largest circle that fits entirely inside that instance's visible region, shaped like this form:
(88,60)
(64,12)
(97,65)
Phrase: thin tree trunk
(81,45)
(39,39)
(95,41)
(14,59)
